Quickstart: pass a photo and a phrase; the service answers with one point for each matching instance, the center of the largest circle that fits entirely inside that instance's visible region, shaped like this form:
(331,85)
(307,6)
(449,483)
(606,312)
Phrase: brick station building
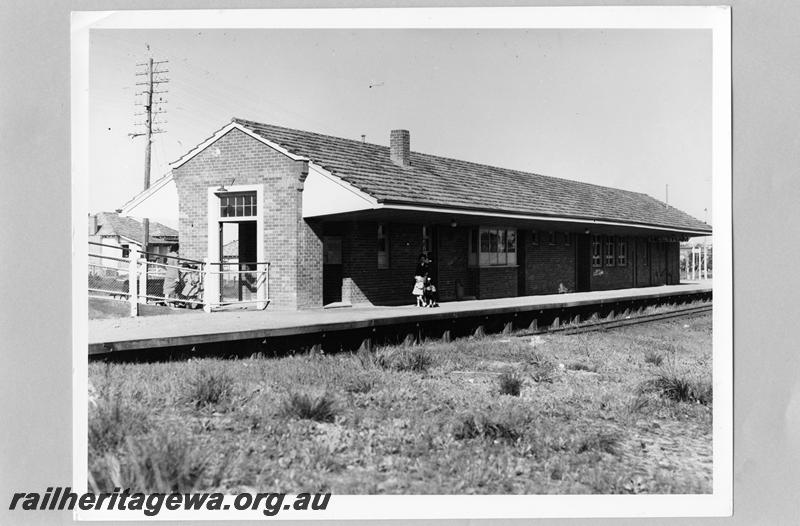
(344,221)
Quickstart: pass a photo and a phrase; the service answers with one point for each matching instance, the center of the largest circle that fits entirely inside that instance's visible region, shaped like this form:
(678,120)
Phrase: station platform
(200,328)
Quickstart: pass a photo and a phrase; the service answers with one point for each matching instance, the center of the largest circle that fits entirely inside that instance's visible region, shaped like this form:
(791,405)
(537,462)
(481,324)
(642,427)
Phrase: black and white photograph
(399,253)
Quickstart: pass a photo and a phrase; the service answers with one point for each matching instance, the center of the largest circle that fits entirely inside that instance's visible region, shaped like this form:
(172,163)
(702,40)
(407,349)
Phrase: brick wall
(309,263)
(497,282)
(362,280)
(607,278)
(292,246)
(547,267)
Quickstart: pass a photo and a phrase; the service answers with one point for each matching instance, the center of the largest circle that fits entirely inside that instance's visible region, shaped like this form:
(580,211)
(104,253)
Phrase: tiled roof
(450,183)
(111,223)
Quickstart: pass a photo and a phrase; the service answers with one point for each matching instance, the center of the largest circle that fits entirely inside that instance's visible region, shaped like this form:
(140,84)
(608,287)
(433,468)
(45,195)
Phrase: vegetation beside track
(622,411)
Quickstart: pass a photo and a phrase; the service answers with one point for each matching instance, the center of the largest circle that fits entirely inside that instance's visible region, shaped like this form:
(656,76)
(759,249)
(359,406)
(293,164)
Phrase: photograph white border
(715,18)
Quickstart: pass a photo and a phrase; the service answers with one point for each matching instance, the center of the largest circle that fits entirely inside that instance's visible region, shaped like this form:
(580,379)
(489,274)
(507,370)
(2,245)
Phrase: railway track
(564,320)
(597,325)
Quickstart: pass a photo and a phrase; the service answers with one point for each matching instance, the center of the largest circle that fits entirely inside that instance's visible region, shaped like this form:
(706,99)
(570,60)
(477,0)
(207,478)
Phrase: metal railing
(146,277)
(176,284)
(238,283)
(108,271)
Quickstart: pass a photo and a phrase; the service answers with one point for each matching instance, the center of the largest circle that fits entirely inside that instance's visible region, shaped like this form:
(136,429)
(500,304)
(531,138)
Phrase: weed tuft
(321,408)
(360,384)
(541,368)
(638,403)
(654,358)
(602,441)
(415,360)
(506,422)
(673,385)
(111,420)
(369,360)
(510,383)
(209,387)
(481,426)
(163,462)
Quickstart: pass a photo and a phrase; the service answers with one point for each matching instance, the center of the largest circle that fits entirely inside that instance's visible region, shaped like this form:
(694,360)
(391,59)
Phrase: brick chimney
(93,224)
(400,148)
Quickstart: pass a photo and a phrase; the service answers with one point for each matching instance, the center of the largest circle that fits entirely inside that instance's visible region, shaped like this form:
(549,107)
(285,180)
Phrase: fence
(109,270)
(696,262)
(144,277)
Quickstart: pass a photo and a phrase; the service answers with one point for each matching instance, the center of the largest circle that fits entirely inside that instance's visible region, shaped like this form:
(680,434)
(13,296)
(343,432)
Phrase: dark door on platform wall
(331,269)
(642,263)
(248,257)
(658,264)
(583,263)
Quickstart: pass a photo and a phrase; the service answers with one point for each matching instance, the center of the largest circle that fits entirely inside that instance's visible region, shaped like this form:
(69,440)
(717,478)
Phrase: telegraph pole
(153,106)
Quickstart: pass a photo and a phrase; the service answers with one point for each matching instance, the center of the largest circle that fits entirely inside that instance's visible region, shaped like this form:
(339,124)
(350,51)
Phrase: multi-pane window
(383,246)
(610,252)
(597,255)
(622,252)
(534,237)
(497,246)
(237,204)
(567,239)
(126,251)
(551,238)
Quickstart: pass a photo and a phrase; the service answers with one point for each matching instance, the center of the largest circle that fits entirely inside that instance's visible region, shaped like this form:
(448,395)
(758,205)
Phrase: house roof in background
(441,182)
(113,224)
(231,249)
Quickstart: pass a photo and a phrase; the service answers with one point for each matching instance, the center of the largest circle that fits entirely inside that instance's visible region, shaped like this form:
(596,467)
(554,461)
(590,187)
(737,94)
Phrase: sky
(627,108)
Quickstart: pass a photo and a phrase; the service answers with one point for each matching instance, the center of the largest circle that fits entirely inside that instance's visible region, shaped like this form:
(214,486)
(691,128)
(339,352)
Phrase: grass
(165,461)
(607,442)
(209,387)
(412,359)
(581,366)
(475,416)
(654,358)
(486,426)
(540,367)
(678,386)
(320,408)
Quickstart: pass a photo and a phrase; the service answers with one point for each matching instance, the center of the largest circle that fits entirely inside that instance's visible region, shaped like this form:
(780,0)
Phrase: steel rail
(591,326)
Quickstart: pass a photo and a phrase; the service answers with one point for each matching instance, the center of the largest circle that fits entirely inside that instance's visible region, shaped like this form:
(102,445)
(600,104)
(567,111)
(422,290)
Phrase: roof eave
(233,125)
(515,214)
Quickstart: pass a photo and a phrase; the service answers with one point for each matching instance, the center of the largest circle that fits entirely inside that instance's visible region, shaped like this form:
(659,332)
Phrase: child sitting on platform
(430,297)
